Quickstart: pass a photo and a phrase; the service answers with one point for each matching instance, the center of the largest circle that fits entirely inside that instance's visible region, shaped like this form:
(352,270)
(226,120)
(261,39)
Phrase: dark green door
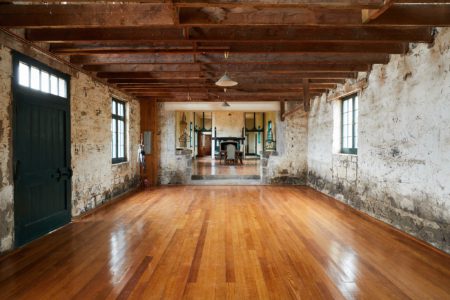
(42,171)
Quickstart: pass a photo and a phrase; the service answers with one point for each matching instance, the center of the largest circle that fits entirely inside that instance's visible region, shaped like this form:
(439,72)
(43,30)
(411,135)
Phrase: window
(33,77)
(349,119)
(118,145)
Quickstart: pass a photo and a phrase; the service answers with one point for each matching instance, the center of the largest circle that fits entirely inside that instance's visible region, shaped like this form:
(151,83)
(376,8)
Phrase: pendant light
(225,80)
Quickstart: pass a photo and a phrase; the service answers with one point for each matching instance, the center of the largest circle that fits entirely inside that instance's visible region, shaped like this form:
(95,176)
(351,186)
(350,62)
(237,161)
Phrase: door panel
(42,161)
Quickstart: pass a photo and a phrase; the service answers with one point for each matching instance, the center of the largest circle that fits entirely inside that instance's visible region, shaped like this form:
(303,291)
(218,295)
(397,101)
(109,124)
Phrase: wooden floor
(208,166)
(225,242)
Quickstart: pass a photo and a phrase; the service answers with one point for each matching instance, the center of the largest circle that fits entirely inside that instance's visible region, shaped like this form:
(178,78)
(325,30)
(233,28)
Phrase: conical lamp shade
(226,81)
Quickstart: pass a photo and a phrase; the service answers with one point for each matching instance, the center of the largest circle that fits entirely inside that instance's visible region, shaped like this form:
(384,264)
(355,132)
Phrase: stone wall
(95,179)
(6,180)
(402,169)
(175,166)
(288,165)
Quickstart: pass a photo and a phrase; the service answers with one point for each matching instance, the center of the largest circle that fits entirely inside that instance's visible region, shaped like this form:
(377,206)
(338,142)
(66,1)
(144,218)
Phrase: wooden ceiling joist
(241,58)
(242,34)
(360,4)
(235,68)
(298,48)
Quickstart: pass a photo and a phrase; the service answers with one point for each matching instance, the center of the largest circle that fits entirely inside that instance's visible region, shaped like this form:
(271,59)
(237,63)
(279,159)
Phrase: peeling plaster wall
(175,166)
(6,180)
(401,174)
(95,179)
(288,165)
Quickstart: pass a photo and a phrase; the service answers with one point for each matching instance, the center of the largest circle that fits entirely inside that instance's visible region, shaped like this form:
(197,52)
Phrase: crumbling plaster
(6,180)
(402,169)
(288,165)
(95,178)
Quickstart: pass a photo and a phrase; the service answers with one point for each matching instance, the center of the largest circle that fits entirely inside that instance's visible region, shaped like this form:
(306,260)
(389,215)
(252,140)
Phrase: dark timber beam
(243,75)
(199,16)
(242,3)
(148,14)
(181,48)
(241,58)
(242,34)
(85,15)
(414,14)
(235,68)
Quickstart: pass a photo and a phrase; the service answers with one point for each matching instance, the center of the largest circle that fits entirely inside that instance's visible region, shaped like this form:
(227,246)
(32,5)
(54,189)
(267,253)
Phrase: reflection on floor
(208,166)
(208,171)
(208,242)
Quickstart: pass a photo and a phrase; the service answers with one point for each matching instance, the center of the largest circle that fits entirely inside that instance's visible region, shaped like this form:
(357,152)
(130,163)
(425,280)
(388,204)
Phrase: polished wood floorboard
(208,166)
(225,242)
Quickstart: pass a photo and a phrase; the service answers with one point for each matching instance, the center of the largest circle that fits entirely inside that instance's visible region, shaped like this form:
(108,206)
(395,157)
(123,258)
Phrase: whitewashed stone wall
(175,166)
(95,179)
(401,174)
(6,180)
(288,165)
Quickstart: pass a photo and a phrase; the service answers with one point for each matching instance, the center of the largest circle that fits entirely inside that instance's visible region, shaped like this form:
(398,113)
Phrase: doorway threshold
(225,179)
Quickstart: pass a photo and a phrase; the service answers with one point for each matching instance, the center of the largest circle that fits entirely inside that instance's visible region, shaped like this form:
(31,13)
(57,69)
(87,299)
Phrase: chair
(231,153)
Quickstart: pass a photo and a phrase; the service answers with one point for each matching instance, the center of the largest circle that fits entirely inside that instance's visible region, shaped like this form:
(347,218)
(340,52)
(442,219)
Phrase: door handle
(60,173)
(16,169)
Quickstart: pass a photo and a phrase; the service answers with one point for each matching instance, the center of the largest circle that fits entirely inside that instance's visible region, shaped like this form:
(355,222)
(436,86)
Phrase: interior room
(224,149)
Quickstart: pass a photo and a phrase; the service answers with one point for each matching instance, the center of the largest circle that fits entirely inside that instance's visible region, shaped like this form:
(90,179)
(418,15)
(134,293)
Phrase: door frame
(16,89)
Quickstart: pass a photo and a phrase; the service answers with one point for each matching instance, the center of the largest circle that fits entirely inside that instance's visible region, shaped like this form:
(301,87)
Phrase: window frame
(116,118)
(349,150)
(42,68)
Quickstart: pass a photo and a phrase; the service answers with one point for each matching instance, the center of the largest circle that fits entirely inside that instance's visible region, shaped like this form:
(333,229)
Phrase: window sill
(120,163)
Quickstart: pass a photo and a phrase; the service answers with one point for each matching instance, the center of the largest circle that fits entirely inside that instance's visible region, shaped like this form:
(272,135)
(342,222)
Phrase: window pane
(24,74)
(114,138)
(35,82)
(45,82)
(114,107)
(62,89)
(54,85)
(121,145)
(120,109)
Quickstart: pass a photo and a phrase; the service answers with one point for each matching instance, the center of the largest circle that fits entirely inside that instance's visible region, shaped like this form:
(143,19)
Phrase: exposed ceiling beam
(242,80)
(280,69)
(242,34)
(199,16)
(241,58)
(244,88)
(85,15)
(242,3)
(182,48)
(245,75)
(414,14)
